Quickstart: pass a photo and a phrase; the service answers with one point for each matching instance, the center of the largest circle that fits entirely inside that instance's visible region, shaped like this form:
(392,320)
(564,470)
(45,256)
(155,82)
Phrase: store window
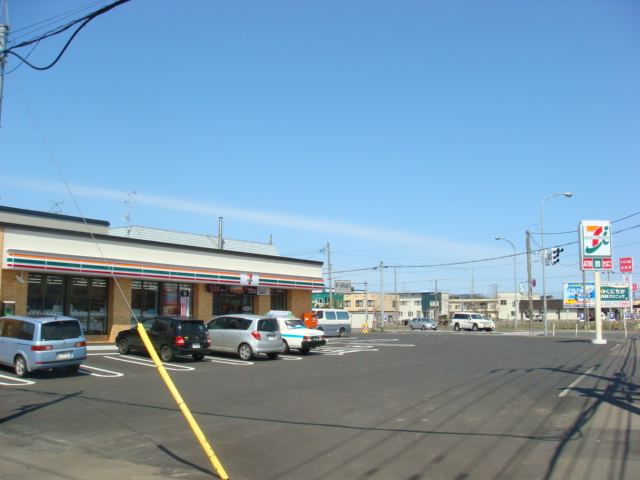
(88,303)
(45,294)
(83,298)
(144,299)
(228,299)
(278,299)
(157,298)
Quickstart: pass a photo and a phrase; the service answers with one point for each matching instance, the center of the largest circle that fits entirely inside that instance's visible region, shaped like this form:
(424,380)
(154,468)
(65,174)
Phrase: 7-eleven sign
(595,245)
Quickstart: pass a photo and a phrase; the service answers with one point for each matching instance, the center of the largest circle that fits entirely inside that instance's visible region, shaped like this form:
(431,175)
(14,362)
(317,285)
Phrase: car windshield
(294,324)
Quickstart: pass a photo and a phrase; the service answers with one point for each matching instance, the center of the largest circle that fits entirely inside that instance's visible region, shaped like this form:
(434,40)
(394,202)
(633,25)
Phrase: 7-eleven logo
(595,238)
(249,279)
(598,236)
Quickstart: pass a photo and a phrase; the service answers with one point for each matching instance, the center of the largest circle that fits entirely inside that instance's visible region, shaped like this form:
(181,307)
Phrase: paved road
(414,405)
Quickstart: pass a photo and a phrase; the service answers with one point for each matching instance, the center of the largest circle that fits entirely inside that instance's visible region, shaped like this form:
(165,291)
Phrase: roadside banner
(612,295)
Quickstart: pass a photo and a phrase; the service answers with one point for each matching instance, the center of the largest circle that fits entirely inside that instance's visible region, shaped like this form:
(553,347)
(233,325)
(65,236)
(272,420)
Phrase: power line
(468,262)
(82,21)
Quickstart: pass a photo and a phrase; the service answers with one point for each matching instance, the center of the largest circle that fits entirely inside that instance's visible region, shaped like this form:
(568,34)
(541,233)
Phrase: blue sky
(406,132)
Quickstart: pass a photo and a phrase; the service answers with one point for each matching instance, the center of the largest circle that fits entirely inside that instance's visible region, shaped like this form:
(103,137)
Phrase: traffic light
(555,255)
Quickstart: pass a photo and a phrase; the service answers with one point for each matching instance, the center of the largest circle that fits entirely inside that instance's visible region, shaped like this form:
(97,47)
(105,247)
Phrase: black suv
(170,336)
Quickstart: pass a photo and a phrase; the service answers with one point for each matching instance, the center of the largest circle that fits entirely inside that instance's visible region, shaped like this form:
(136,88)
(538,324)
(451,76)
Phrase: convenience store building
(109,278)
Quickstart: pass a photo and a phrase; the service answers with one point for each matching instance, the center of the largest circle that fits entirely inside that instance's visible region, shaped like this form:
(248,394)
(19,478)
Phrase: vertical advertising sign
(626,265)
(595,245)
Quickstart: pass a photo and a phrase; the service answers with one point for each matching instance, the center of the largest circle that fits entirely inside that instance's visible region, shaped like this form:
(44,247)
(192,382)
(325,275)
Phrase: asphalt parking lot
(413,405)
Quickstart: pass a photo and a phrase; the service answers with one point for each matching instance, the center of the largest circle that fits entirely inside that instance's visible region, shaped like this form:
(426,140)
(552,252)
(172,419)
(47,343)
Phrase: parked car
(170,336)
(472,321)
(41,342)
(296,335)
(245,335)
(423,324)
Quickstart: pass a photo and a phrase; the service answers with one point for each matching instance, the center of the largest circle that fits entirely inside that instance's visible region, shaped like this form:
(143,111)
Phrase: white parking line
(229,361)
(16,381)
(342,351)
(574,384)
(112,374)
(149,363)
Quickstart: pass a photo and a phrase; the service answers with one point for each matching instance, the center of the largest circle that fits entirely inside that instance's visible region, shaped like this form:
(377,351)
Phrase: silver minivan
(245,335)
(41,342)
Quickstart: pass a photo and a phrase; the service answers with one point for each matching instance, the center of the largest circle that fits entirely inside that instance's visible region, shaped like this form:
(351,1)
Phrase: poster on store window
(170,299)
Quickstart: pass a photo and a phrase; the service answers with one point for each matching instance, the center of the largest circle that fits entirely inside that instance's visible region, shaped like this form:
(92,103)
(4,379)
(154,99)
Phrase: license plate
(195,345)
(271,337)
(64,355)
(315,339)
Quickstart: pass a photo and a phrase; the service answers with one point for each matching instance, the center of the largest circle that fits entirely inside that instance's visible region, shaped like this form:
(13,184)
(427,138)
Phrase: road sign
(343,286)
(626,265)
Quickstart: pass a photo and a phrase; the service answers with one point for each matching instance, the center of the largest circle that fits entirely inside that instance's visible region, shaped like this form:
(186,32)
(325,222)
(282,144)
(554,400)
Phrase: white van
(333,321)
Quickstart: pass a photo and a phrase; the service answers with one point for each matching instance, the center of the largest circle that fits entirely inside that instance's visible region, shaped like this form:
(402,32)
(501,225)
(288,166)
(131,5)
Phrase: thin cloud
(293,221)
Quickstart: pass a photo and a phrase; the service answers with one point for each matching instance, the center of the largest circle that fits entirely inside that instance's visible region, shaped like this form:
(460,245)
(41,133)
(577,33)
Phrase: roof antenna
(56,206)
(127,214)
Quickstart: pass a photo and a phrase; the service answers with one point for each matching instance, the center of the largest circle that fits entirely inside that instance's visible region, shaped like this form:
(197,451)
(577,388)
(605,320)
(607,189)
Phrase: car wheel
(21,366)
(166,354)
(198,356)
(123,346)
(424,328)
(272,355)
(285,347)
(73,368)
(304,351)
(342,332)
(475,327)
(245,352)
(411,327)
(456,327)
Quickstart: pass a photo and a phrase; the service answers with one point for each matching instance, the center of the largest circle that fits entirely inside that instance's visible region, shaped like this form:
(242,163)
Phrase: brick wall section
(12,290)
(202,302)
(299,302)
(118,308)
(261,304)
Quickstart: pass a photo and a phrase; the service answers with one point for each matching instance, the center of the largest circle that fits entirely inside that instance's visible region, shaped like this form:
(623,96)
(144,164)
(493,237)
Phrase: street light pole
(544,259)
(515,283)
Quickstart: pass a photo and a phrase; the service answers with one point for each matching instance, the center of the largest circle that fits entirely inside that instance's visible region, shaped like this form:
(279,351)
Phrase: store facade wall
(50,266)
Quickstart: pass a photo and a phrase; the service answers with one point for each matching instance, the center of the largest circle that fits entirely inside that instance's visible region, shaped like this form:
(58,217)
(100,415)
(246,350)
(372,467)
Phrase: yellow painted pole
(183,406)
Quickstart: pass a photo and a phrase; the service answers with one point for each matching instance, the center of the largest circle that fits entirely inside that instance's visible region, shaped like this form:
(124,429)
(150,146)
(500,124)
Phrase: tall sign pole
(596,255)
(529,280)
(626,266)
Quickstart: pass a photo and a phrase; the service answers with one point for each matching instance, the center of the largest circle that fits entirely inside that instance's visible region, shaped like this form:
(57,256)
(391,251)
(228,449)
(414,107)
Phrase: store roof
(193,239)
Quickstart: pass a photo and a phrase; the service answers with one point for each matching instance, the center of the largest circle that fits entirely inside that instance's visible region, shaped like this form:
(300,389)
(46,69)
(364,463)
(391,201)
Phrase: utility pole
(381,296)
(330,279)
(529,282)
(4,30)
(366,303)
